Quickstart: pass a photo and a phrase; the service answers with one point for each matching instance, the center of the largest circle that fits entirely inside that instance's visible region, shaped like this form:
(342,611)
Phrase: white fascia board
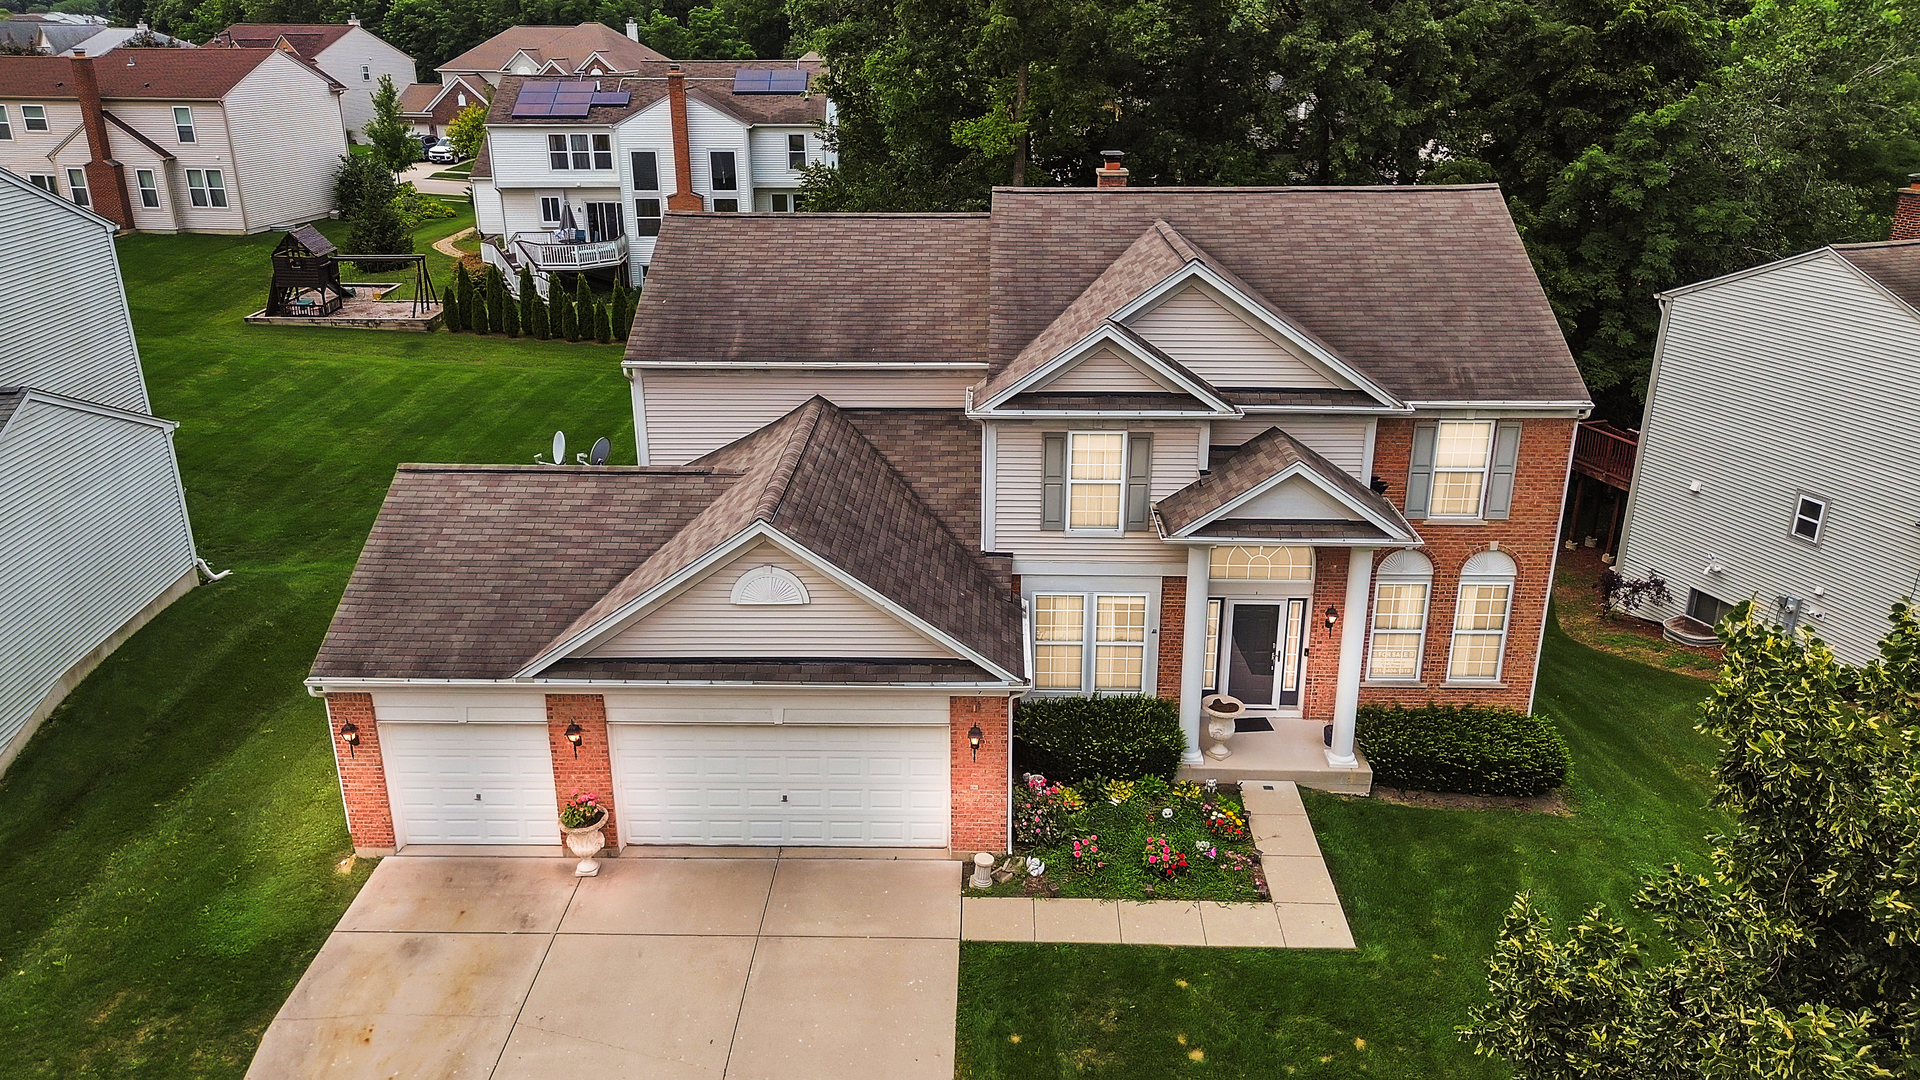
(1097,414)
(1272,541)
(1105,334)
(1568,408)
(317,686)
(811,365)
(1259,313)
(1314,410)
(1298,469)
(50,398)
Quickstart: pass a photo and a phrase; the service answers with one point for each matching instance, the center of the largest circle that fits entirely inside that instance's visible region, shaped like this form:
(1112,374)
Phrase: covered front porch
(1293,750)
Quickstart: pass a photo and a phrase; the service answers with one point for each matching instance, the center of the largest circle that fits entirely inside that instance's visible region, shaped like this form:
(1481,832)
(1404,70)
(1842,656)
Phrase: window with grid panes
(796,152)
(1096,475)
(1119,642)
(1460,455)
(1059,629)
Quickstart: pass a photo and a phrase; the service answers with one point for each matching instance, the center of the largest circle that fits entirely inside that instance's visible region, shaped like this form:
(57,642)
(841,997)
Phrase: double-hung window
(149,189)
(557,153)
(720,164)
(45,182)
(1808,517)
(796,152)
(6,127)
(206,187)
(366,73)
(1096,482)
(34,117)
(183,123)
(582,155)
(1402,587)
(603,151)
(646,214)
(1096,642)
(1480,618)
(1462,469)
(77,187)
(550,209)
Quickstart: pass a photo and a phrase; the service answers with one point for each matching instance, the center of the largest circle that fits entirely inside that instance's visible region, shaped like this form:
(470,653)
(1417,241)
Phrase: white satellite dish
(559,448)
(602,450)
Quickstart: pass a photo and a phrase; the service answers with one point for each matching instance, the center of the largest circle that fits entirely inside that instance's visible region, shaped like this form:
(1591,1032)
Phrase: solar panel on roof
(613,97)
(554,98)
(769,81)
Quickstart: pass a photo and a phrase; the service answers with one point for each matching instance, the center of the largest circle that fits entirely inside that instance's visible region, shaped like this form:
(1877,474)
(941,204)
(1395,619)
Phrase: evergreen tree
(557,303)
(540,328)
(528,297)
(602,323)
(621,319)
(511,315)
(459,299)
(496,301)
(450,311)
(389,132)
(570,321)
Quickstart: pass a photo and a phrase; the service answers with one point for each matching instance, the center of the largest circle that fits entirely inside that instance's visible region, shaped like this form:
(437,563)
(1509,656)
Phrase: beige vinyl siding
(1220,346)
(27,151)
(1294,499)
(1804,377)
(1176,445)
(709,129)
(1340,439)
(1103,372)
(343,60)
(770,155)
(702,621)
(63,314)
(284,168)
(690,413)
(210,149)
(93,528)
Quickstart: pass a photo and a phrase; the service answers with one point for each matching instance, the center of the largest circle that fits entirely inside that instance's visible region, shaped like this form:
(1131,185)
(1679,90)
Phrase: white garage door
(470,783)
(781,784)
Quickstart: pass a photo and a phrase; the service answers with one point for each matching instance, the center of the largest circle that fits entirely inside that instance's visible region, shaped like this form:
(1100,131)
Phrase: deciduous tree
(388,132)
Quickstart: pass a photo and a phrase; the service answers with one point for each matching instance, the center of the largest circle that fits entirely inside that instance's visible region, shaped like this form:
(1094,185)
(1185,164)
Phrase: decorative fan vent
(769,585)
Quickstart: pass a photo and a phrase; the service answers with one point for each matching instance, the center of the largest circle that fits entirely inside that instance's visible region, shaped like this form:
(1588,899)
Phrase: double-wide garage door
(470,783)
(781,784)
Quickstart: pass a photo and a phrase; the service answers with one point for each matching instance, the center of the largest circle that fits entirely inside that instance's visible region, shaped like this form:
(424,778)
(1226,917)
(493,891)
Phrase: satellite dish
(602,449)
(559,448)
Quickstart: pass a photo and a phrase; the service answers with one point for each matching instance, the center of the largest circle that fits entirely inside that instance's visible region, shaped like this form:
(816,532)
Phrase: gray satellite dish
(602,449)
(559,448)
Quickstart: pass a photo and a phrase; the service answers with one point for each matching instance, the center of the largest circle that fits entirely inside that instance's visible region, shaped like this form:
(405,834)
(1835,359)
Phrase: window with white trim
(1097,642)
(206,187)
(1240,563)
(1096,477)
(1808,518)
(149,188)
(1460,456)
(6,127)
(646,213)
(603,151)
(1480,618)
(550,209)
(726,206)
(796,152)
(720,170)
(46,182)
(183,123)
(77,187)
(782,203)
(34,117)
(557,152)
(582,153)
(1402,587)
(646,170)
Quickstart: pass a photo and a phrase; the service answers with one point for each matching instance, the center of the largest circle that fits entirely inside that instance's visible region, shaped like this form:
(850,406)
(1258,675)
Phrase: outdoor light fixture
(973,740)
(573,736)
(350,735)
(1333,616)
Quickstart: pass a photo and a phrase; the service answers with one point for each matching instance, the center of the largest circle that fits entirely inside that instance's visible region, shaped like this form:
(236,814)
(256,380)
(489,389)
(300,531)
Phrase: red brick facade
(1173,616)
(1323,645)
(363,777)
(1906,214)
(979,781)
(590,769)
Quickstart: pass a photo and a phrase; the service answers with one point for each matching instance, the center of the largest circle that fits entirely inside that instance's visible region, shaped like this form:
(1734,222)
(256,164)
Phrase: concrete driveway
(420,175)
(774,966)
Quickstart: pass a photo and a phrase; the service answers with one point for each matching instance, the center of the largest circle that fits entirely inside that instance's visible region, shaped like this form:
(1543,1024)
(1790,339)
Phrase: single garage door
(781,784)
(470,783)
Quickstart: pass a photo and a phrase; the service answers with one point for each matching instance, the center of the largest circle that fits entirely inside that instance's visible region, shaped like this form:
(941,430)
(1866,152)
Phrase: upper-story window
(603,151)
(796,152)
(1462,469)
(646,170)
(183,123)
(1809,517)
(1096,481)
(77,187)
(557,152)
(6,127)
(721,162)
(462,96)
(580,151)
(366,73)
(34,117)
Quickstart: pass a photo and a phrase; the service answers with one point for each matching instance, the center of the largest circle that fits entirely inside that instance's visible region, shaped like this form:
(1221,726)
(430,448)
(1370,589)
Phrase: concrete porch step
(1292,751)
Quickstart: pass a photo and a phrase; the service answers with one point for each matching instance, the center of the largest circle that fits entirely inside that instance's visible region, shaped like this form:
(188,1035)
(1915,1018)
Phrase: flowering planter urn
(585,842)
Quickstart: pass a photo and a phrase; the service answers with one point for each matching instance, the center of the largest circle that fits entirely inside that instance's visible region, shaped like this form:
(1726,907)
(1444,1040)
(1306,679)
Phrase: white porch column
(1353,640)
(1193,650)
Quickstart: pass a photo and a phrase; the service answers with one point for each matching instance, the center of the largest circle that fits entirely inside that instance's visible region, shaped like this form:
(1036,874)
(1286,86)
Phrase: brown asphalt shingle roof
(815,288)
(568,44)
(708,81)
(1259,460)
(1895,264)
(760,670)
(178,74)
(308,39)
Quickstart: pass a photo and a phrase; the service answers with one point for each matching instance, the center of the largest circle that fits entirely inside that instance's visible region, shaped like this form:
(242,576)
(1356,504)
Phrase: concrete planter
(585,842)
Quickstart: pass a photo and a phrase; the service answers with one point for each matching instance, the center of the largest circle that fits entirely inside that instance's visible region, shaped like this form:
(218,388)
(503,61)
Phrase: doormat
(1252,723)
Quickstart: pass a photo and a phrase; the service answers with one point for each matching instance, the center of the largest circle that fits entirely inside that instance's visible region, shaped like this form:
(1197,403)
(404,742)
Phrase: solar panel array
(769,81)
(551,98)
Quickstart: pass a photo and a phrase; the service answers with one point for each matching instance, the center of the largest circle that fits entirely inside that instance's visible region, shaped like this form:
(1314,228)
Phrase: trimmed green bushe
(1465,749)
(1071,739)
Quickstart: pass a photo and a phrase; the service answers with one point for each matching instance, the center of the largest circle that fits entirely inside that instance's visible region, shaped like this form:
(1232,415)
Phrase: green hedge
(1071,739)
(1474,751)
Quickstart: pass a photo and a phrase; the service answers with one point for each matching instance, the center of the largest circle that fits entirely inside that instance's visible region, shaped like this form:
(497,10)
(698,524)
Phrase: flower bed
(1132,840)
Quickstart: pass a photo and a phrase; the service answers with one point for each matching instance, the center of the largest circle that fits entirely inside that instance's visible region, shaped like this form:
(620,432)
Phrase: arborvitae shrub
(540,328)
(496,301)
(450,311)
(529,297)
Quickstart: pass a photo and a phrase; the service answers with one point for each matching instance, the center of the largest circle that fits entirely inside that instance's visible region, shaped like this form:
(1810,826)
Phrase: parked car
(427,143)
(442,153)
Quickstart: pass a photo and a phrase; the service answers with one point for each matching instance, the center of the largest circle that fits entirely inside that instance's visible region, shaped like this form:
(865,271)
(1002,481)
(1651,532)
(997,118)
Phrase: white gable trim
(1109,335)
(1300,469)
(612,623)
(47,397)
(8,176)
(1257,313)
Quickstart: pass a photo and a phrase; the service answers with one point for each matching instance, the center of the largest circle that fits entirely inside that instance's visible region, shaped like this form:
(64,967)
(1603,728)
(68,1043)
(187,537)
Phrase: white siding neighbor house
(590,50)
(349,53)
(1775,452)
(577,173)
(93,521)
(175,140)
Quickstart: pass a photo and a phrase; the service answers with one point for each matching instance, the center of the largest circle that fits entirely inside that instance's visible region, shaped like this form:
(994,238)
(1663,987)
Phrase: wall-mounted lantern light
(973,739)
(1333,616)
(573,736)
(350,734)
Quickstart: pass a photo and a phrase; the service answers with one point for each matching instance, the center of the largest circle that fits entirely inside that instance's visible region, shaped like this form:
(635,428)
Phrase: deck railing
(1605,453)
(539,249)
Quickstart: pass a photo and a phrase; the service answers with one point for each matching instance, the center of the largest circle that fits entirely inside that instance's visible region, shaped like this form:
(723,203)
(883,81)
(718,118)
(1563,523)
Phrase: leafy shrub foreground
(1075,739)
(1470,750)
(1131,840)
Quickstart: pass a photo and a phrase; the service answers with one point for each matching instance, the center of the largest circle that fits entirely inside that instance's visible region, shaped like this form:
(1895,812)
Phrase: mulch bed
(1553,802)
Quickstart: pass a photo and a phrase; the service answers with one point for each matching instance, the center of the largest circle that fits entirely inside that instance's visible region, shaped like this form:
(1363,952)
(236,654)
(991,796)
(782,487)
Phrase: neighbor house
(350,54)
(1741,492)
(429,107)
(577,173)
(1301,447)
(93,522)
(590,50)
(175,140)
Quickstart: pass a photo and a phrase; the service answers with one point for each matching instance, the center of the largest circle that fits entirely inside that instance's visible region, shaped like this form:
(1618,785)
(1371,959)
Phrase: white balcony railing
(539,249)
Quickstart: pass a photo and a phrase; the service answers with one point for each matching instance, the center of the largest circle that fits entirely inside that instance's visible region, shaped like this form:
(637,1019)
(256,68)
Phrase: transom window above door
(1260,564)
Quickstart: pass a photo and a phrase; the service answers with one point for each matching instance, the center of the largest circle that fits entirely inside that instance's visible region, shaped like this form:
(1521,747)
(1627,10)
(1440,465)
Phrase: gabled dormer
(1111,370)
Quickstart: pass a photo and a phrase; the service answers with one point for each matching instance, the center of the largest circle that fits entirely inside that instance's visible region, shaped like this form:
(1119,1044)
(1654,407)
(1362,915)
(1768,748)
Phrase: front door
(1266,653)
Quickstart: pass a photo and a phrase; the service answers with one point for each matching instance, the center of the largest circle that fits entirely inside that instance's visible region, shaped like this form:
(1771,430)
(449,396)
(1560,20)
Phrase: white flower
(1035,867)
(1167,813)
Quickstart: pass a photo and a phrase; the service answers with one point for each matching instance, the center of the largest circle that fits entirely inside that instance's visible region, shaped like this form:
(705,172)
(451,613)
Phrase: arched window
(1261,563)
(1480,618)
(769,584)
(1400,593)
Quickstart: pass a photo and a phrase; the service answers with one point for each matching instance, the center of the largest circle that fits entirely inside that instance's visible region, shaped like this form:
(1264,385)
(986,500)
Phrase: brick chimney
(1906,210)
(684,198)
(1111,174)
(106,180)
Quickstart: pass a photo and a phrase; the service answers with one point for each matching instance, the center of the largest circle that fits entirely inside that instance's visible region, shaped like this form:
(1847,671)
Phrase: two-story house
(429,107)
(1303,447)
(1738,495)
(175,140)
(350,53)
(93,520)
(591,50)
(577,173)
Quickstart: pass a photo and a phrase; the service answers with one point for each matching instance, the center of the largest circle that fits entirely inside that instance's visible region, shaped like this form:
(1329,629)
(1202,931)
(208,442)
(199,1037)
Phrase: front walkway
(770,966)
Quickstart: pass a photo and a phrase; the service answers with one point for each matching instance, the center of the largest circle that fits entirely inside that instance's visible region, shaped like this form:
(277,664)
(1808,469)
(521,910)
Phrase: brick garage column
(979,785)
(363,775)
(592,768)
(1173,626)
(1323,645)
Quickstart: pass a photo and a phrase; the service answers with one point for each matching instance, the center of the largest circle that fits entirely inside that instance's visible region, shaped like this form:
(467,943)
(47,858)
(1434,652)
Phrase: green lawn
(172,837)
(1424,890)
